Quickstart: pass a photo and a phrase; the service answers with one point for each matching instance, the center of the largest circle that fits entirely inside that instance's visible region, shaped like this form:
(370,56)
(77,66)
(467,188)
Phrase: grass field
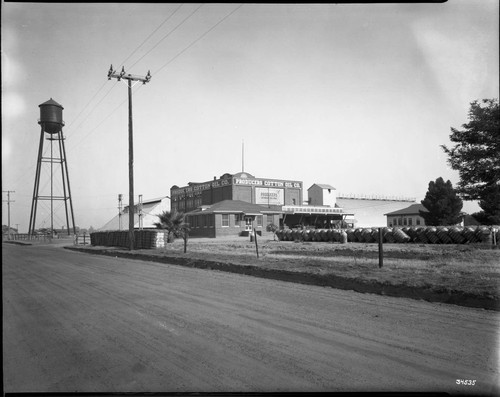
(473,269)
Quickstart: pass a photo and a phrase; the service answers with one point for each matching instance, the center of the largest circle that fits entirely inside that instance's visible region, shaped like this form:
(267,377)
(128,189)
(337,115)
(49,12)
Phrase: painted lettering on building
(268,196)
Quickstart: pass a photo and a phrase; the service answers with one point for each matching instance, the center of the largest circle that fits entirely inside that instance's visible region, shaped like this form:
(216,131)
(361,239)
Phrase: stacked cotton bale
(323,234)
(358,235)
(431,233)
(419,235)
(456,235)
(306,235)
(422,236)
(336,235)
(367,235)
(293,235)
(400,236)
(444,235)
(470,234)
(412,233)
(351,236)
(388,235)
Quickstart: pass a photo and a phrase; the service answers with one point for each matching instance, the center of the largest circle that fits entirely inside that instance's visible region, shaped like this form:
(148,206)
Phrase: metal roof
(413,209)
(234,206)
(323,186)
(51,102)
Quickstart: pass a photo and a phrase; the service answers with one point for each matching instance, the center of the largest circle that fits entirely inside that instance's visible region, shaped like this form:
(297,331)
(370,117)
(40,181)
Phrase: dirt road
(76,322)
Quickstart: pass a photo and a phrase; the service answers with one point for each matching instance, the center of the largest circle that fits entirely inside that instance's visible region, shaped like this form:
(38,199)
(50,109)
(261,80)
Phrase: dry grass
(471,269)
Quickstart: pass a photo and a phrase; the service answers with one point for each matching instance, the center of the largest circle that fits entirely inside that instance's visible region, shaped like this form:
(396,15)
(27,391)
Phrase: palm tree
(174,223)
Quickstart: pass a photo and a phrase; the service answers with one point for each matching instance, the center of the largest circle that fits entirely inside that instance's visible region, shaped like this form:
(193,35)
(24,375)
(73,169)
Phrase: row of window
(404,221)
(201,221)
(196,221)
(239,217)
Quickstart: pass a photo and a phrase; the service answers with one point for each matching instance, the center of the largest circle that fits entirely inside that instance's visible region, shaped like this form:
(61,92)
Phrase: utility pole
(120,208)
(130,78)
(8,208)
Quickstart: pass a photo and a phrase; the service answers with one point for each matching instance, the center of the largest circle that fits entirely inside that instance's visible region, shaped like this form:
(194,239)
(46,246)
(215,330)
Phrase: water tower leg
(69,188)
(64,178)
(34,203)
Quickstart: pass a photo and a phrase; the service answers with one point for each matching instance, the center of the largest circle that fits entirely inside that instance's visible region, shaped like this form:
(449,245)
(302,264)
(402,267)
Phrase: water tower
(51,123)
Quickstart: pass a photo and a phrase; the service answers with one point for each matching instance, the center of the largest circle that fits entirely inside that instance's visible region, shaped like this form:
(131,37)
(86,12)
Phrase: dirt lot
(467,275)
(74,322)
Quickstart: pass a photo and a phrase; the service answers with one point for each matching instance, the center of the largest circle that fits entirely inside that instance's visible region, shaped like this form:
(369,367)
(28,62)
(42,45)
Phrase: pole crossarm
(127,76)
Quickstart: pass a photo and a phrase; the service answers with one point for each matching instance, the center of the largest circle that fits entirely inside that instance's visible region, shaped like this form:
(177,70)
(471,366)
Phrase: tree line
(475,154)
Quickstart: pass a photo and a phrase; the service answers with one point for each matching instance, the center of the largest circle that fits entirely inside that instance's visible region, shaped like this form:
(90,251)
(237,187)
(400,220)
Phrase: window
(269,219)
(237,220)
(399,221)
(225,220)
(410,221)
(418,221)
(405,221)
(259,220)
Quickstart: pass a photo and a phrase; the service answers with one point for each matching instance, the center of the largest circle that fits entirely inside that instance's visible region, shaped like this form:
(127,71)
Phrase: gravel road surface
(79,322)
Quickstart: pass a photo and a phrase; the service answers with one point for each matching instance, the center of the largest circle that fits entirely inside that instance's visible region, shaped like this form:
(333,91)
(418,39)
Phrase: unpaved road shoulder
(76,322)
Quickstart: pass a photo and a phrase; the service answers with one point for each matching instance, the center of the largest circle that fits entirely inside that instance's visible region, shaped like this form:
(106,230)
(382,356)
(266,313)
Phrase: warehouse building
(145,215)
(370,210)
(409,216)
(231,218)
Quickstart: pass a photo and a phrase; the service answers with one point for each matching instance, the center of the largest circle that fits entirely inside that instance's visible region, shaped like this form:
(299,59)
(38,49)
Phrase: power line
(147,38)
(198,39)
(95,106)
(168,34)
(103,85)
(29,169)
(170,61)
(85,107)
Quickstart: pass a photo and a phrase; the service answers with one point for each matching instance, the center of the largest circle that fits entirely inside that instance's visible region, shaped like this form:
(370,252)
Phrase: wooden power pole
(130,78)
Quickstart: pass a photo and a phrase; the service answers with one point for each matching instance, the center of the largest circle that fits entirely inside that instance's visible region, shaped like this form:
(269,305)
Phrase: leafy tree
(490,204)
(443,204)
(174,223)
(476,154)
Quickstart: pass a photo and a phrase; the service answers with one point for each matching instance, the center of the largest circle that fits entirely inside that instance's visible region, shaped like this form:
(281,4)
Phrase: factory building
(242,186)
(237,204)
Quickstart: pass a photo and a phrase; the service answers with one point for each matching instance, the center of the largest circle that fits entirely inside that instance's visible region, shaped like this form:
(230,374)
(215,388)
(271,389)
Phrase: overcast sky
(356,96)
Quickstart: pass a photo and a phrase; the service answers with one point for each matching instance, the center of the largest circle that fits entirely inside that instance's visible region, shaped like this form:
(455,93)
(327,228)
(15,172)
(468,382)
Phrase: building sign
(268,196)
(196,189)
(199,187)
(266,183)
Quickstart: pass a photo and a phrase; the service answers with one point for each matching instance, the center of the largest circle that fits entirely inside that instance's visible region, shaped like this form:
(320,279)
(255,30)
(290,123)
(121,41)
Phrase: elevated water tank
(51,116)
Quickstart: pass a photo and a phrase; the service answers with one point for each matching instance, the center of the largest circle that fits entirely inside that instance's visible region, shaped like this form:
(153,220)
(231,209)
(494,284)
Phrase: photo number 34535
(466,382)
